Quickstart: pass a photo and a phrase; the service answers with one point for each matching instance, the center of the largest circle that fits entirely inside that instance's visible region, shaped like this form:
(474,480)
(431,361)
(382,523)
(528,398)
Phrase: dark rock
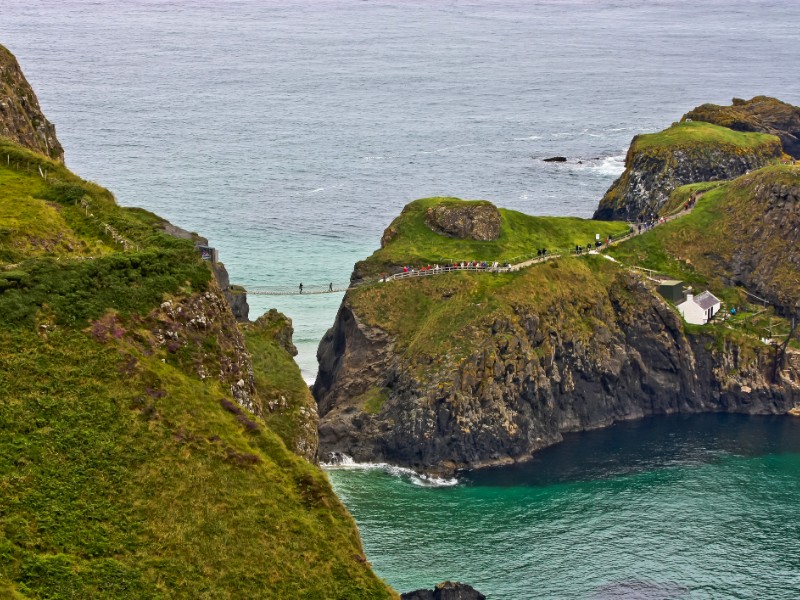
(388,235)
(466,221)
(556,159)
(445,591)
(650,176)
(528,380)
(21,119)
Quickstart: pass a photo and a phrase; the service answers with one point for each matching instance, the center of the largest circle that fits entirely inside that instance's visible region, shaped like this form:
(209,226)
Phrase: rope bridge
(308,290)
(515,264)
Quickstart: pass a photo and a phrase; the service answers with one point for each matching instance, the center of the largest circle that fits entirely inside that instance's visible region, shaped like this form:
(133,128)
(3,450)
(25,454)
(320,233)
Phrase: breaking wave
(344,462)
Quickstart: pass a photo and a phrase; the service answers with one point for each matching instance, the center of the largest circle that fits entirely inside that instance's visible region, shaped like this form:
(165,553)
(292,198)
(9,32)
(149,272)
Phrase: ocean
(291,133)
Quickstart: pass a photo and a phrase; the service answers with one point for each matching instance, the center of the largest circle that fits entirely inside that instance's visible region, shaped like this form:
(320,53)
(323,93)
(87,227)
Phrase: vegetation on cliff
(743,232)
(409,240)
(138,457)
(685,153)
(762,113)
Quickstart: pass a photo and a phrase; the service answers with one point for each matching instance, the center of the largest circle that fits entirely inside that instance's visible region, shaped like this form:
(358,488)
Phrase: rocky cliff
(688,152)
(565,346)
(21,119)
(467,369)
(762,114)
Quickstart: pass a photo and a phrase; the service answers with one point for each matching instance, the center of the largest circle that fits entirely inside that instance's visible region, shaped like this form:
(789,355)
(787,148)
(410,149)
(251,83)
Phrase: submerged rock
(556,159)
(446,590)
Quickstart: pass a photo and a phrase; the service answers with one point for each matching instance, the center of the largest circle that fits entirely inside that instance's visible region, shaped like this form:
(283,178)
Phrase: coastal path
(515,264)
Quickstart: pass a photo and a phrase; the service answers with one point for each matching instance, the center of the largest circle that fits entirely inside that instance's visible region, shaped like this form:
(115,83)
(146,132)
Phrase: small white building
(699,309)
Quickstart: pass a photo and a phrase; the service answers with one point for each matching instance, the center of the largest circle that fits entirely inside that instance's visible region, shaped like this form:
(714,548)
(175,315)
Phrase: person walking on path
(330,286)
(301,288)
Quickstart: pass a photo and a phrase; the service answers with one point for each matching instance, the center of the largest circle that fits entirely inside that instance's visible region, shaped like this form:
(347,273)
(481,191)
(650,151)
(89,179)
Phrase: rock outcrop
(466,221)
(446,590)
(21,118)
(686,153)
(606,349)
(762,114)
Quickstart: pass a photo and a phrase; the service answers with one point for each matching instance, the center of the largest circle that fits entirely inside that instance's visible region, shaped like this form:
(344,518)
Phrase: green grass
(134,482)
(438,319)
(280,383)
(699,247)
(127,470)
(521,236)
(692,133)
(682,194)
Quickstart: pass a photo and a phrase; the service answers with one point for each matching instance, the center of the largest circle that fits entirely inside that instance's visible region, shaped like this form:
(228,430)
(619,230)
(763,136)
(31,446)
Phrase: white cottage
(699,309)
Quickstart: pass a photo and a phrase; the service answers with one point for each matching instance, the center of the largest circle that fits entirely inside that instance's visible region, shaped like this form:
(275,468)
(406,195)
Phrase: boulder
(467,221)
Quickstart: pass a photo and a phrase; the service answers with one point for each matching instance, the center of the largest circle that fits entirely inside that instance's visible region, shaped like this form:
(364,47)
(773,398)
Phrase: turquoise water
(669,507)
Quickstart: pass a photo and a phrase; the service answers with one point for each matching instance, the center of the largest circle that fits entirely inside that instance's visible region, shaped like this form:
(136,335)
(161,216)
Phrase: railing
(514,264)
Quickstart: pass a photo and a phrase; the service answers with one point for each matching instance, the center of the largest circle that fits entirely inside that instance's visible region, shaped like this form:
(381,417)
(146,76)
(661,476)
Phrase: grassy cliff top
(413,243)
(743,221)
(439,319)
(696,133)
(128,465)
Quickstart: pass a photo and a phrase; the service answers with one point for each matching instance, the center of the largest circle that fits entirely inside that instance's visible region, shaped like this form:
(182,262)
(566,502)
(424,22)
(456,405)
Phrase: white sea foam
(345,462)
(610,165)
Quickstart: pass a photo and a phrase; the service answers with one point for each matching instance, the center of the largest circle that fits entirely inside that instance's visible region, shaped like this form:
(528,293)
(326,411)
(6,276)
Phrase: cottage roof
(706,300)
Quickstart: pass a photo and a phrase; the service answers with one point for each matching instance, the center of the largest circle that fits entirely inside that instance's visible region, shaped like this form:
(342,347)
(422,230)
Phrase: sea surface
(291,133)
(679,507)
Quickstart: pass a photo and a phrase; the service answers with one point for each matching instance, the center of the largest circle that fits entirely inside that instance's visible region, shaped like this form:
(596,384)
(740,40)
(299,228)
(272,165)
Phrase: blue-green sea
(696,507)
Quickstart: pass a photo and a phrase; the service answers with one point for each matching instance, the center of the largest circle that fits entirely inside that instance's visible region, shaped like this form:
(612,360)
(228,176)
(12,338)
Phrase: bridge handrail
(514,264)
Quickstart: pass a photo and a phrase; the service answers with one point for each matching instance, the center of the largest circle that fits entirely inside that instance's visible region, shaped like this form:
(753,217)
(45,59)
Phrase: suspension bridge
(451,266)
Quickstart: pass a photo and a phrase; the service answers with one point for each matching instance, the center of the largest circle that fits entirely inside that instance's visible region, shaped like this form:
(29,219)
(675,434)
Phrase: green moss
(286,400)
(695,133)
(521,236)
(372,400)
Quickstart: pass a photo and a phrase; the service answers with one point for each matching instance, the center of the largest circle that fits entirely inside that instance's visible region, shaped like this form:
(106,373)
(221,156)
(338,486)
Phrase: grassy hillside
(731,220)
(128,467)
(521,235)
(437,319)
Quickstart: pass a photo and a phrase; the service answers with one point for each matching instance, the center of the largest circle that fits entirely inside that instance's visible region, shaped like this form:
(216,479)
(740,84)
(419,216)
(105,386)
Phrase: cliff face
(686,153)
(578,346)
(762,114)
(21,119)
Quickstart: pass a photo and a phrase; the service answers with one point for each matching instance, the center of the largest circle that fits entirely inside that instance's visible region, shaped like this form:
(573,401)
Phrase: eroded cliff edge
(469,369)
